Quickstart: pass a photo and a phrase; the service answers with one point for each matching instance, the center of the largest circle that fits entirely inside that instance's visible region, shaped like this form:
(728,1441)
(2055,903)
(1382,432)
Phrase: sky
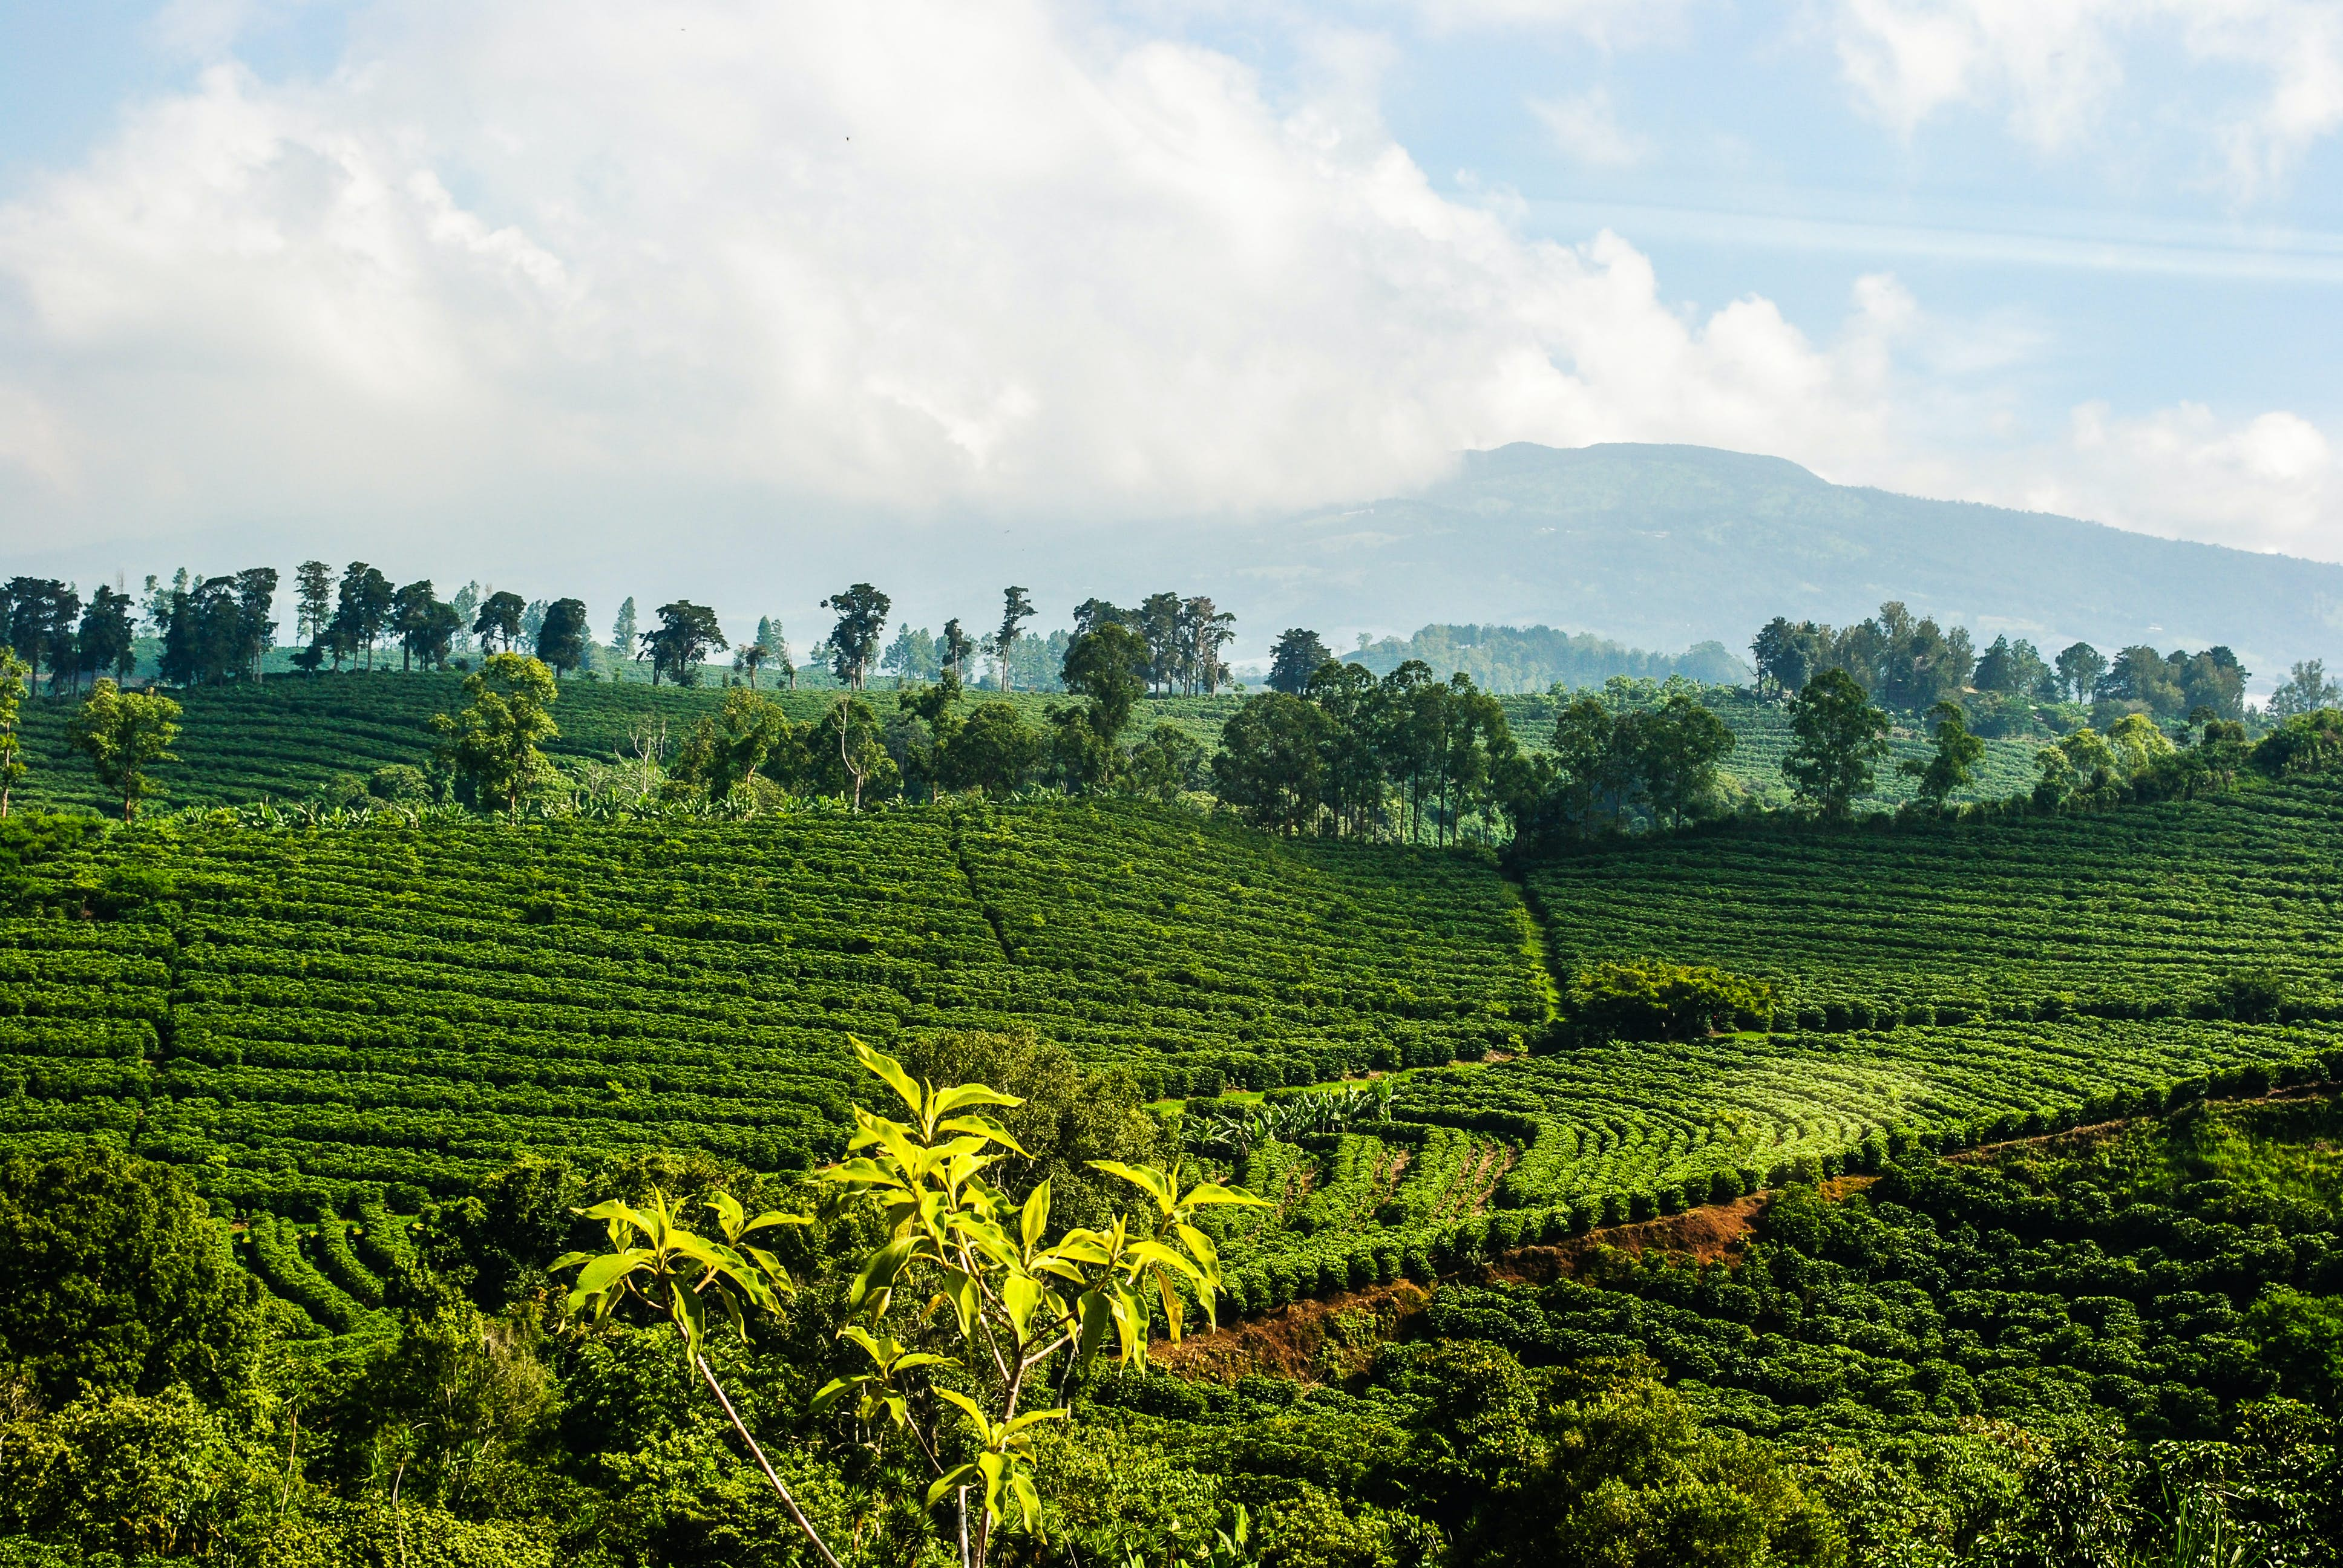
(731,300)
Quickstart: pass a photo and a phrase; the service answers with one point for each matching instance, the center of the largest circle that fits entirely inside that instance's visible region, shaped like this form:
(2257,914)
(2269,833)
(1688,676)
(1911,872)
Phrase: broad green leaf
(772,1217)
(728,1213)
(974,1410)
(880,1270)
(605,1270)
(1156,1184)
(891,1072)
(1214,1192)
(947,1100)
(945,1483)
(1020,1295)
(1036,1216)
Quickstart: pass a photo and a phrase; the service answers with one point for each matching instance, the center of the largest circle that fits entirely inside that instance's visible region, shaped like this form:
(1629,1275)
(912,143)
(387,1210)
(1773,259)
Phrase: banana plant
(1018,1302)
(684,1276)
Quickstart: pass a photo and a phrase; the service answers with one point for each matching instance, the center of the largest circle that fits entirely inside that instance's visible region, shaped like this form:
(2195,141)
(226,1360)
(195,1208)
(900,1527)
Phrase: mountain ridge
(1665,547)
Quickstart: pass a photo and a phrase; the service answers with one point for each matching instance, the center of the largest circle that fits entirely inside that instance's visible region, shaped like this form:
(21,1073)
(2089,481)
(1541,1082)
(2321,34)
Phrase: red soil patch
(1309,1341)
(1334,1336)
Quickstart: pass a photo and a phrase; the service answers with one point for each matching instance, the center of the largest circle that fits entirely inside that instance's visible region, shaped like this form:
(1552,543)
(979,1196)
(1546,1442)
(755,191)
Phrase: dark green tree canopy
(1111,667)
(1294,660)
(498,626)
(562,636)
(854,641)
(117,1280)
(1838,741)
(684,635)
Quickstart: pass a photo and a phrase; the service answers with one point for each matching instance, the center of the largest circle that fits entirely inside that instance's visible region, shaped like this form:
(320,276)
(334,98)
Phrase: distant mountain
(1667,547)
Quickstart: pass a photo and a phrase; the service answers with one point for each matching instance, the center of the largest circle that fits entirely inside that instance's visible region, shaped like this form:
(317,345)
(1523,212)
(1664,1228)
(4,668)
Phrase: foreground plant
(684,1276)
(1022,1309)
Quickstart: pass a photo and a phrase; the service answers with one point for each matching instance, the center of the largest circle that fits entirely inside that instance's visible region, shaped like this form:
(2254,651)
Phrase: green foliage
(2134,914)
(2308,742)
(14,673)
(117,1280)
(1648,999)
(1957,754)
(123,734)
(1839,737)
(494,746)
(1020,1303)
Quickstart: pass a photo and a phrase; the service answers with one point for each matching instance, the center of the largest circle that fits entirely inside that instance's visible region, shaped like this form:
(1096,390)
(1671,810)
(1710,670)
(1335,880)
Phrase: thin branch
(762,1462)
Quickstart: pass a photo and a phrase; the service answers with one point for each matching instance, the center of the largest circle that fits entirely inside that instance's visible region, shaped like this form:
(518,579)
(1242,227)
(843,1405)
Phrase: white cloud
(2269,482)
(1587,128)
(2058,68)
(559,271)
(899,255)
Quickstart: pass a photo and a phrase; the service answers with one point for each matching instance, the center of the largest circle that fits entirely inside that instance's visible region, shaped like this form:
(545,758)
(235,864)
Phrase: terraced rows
(2146,911)
(1144,938)
(329,1011)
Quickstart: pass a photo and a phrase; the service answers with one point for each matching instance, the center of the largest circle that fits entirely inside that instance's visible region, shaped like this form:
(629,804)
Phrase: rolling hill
(1665,547)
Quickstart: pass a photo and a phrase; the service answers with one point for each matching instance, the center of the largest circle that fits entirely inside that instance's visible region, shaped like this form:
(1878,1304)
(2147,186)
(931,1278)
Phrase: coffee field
(291,736)
(315,1021)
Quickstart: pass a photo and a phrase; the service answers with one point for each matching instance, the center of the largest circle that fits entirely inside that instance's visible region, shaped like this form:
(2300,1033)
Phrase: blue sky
(496,277)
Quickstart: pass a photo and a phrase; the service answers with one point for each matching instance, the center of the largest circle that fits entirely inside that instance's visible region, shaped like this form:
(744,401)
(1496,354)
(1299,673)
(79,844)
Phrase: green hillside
(321,1015)
(2148,910)
(283,738)
(418,1006)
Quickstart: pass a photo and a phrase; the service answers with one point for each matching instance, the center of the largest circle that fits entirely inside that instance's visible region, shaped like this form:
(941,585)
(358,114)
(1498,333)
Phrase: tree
(1680,743)
(851,730)
(363,606)
(1270,765)
(410,620)
(1016,610)
(993,750)
(748,660)
(2306,690)
(724,752)
(1111,667)
(493,745)
(41,616)
(1647,999)
(532,622)
(954,648)
(913,656)
(625,642)
(562,634)
(105,644)
(1204,631)
(2079,667)
(13,672)
(499,622)
(681,1275)
(685,634)
(313,588)
(854,640)
(1157,623)
(2015,668)
(123,734)
(1294,660)
(1957,753)
(1166,765)
(1837,739)
(2080,763)
(119,1281)
(256,597)
(777,648)
(1026,1312)
(467,606)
